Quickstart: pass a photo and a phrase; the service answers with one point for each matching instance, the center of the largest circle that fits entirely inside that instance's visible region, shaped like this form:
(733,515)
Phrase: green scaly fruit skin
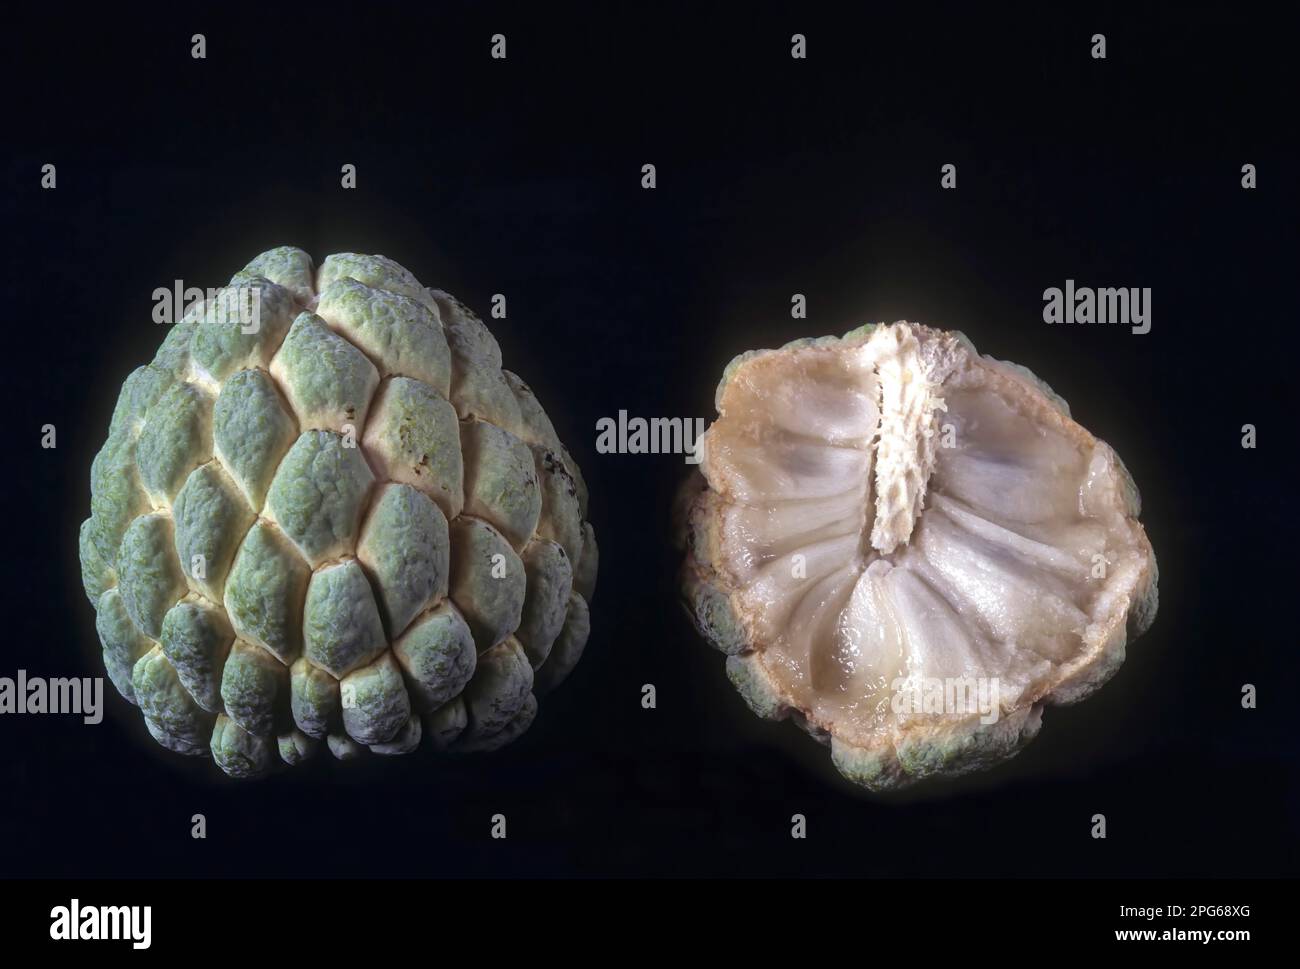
(301,515)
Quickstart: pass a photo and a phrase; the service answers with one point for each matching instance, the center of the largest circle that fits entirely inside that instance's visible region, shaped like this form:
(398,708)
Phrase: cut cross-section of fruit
(910,549)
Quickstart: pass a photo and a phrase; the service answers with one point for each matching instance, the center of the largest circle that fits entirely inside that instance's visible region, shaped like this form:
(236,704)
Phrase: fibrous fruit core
(911,549)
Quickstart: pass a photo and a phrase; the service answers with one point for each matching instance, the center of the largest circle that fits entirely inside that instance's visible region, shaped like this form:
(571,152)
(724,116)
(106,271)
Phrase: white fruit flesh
(898,508)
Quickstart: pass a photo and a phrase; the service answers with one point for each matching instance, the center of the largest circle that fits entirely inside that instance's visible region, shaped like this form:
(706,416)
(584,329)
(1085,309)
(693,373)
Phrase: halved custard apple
(910,549)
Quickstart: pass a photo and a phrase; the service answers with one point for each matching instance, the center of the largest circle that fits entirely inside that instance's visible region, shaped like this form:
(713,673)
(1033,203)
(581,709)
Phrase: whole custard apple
(325,513)
(910,549)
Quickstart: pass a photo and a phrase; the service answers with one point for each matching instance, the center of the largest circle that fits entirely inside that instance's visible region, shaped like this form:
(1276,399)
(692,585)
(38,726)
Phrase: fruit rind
(272,550)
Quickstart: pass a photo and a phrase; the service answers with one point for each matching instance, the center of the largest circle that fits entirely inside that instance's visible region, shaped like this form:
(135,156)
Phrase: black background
(775,176)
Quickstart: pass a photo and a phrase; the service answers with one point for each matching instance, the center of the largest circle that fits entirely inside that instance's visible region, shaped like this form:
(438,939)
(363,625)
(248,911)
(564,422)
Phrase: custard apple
(910,549)
(324,513)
